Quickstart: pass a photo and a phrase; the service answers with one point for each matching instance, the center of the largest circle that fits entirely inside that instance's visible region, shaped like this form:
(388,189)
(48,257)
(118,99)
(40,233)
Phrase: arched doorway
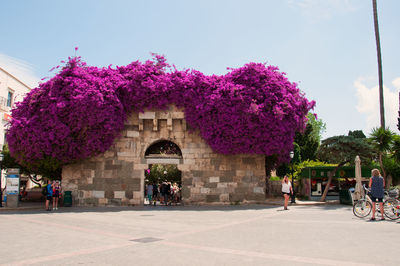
(163,148)
(163,179)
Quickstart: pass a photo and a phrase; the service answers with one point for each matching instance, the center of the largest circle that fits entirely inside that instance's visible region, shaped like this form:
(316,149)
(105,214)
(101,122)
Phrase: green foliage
(396,148)
(285,168)
(310,163)
(157,174)
(381,139)
(318,126)
(343,149)
(392,168)
(309,140)
(49,167)
(282,170)
(8,160)
(275,178)
(307,143)
(357,134)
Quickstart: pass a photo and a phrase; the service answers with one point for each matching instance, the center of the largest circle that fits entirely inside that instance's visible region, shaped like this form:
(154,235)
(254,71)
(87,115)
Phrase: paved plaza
(221,235)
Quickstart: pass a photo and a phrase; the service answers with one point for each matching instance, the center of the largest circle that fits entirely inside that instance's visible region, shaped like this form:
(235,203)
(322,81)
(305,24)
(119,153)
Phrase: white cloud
(318,10)
(20,69)
(368,104)
(396,83)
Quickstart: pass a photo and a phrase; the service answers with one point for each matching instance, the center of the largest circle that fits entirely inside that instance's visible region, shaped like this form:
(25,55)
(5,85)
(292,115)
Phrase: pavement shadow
(326,206)
(147,208)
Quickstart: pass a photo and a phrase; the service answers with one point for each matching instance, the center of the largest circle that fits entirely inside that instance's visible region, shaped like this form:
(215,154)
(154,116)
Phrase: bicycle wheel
(391,210)
(362,208)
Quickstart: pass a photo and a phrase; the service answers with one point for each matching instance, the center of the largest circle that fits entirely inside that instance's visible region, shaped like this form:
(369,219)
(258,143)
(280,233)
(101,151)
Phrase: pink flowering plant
(79,112)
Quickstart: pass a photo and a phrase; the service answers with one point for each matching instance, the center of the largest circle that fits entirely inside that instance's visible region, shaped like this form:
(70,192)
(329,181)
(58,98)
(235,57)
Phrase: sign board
(7,117)
(12,181)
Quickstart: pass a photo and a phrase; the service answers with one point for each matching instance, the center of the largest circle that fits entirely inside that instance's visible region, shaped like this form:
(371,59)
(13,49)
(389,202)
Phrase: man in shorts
(49,195)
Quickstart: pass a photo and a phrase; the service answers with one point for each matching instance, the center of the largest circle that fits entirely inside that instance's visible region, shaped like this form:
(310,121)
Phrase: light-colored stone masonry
(116,177)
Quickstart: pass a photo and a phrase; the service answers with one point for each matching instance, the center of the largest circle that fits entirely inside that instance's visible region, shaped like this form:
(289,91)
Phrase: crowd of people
(166,193)
(53,193)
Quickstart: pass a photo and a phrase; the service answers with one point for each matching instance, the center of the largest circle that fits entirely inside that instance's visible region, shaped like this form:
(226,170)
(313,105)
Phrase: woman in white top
(286,190)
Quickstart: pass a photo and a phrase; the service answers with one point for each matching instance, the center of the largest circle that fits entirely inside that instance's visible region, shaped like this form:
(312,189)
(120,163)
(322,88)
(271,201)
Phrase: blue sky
(327,46)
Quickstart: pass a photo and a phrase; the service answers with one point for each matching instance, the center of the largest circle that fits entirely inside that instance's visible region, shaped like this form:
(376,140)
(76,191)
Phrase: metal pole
(293,198)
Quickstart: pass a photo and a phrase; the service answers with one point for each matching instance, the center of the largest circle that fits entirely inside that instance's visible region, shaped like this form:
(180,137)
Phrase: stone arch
(168,154)
(163,147)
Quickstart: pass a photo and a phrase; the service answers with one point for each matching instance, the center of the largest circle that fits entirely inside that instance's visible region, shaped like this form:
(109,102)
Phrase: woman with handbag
(287,190)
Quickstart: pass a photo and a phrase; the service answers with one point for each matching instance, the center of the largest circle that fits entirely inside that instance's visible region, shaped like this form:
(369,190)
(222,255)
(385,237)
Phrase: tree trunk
(36,181)
(383,169)
(269,166)
(330,176)
(381,165)
(378,51)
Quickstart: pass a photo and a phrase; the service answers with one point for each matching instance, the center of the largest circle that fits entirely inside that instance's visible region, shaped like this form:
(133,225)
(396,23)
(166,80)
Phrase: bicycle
(363,206)
(391,205)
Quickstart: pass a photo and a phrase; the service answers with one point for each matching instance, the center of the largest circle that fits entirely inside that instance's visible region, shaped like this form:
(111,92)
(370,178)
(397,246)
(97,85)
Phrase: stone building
(117,177)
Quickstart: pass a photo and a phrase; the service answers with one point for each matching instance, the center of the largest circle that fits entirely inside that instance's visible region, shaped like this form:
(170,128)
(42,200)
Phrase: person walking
(56,194)
(286,191)
(49,194)
(155,193)
(149,189)
(165,192)
(377,184)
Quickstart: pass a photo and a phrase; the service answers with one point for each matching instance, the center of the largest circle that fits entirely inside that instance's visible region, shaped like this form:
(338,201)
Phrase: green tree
(49,169)
(396,148)
(342,150)
(357,134)
(286,168)
(160,172)
(310,139)
(392,168)
(381,140)
(307,143)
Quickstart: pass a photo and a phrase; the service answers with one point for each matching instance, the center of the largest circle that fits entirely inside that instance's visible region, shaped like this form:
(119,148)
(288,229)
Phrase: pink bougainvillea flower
(79,112)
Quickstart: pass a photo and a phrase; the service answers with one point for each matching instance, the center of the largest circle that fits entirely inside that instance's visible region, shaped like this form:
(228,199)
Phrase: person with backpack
(56,194)
(49,194)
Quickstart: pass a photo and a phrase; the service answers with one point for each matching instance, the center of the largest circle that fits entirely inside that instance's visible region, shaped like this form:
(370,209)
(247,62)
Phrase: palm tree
(381,139)
(378,51)
(396,148)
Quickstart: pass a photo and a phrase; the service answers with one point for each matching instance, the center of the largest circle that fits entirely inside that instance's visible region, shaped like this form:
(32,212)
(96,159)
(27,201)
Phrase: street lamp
(293,197)
(1,190)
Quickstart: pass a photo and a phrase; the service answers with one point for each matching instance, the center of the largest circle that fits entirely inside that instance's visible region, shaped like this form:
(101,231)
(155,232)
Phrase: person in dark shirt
(155,193)
(377,184)
(49,194)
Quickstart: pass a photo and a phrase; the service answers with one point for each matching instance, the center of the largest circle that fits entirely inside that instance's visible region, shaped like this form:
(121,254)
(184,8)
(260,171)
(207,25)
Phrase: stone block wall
(116,177)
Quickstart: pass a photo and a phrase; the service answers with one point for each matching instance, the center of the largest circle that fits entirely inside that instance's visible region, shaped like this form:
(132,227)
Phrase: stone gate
(116,177)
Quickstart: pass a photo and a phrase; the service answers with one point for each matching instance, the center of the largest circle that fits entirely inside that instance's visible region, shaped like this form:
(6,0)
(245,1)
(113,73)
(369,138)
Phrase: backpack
(44,191)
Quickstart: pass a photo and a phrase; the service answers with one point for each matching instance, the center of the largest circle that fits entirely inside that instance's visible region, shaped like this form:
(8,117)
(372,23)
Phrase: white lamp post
(293,197)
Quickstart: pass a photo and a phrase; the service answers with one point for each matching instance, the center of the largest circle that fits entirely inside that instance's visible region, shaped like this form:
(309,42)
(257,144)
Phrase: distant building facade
(12,90)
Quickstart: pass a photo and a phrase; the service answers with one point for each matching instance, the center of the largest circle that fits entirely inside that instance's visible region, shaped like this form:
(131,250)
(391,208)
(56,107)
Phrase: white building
(12,90)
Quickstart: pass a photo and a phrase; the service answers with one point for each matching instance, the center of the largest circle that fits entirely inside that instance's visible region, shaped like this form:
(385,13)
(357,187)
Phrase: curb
(268,202)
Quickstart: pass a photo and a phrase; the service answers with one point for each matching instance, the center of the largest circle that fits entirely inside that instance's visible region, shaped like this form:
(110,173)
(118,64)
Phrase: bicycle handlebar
(369,190)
